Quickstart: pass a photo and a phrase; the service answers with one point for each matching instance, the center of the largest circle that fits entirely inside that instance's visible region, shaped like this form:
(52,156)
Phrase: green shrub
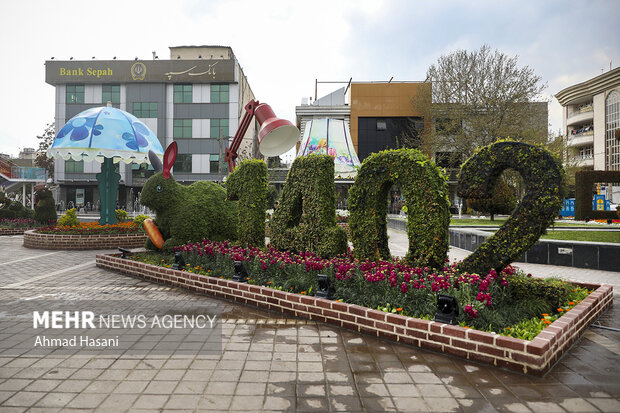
(69,219)
(584,183)
(45,210)
(426,193)
(248,184)
(189,213)
(542,174)
(7,214)
(139,220)
(503,200)
(271,197)
(19,211)
(308,193)
(121,215)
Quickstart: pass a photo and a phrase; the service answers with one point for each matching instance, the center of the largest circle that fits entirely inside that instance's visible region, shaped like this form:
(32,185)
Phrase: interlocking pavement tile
(150,401)
(19,384)
(576,405)
(23,399)
(86,401)
(55,399)
(378,404)
(309,390)
(226,388)
(547,407)
(280,404)
(402,390)
(411,404)
(247,403)
(182,401)
(345,403)
(373,390)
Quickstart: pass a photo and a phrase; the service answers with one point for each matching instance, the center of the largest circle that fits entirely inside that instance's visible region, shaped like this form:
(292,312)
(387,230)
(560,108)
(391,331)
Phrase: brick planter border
(14,231)
(534,357)
(82,242)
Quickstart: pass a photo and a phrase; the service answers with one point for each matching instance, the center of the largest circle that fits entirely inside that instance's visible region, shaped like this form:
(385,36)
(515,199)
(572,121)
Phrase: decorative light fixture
(241,275)
(124,251)
(179,262)
(325,290)
(447,309)
(275,137)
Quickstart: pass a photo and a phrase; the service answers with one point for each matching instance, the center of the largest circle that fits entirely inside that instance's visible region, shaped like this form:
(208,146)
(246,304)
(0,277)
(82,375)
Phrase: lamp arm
(231,151)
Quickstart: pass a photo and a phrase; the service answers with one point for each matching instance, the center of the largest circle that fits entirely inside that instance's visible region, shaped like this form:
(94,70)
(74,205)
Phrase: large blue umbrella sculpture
(107,135)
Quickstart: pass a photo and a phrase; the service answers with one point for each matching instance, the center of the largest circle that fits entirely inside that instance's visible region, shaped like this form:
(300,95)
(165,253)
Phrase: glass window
(182,128)
(145,109)
(214,163)
(219,93)
(182,93)
(73,167)
(183,163)
(612,125)
(111,93)
(74,94)
(216,124)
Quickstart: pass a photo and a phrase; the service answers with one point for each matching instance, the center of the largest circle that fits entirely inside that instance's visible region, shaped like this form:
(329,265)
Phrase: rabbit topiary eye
(159,188)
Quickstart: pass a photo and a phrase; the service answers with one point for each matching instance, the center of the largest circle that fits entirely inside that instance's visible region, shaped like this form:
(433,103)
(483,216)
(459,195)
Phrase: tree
(478,97)
(503,200)
(47,139)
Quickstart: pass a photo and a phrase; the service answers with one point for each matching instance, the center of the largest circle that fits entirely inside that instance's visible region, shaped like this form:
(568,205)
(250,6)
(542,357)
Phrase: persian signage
(130,71)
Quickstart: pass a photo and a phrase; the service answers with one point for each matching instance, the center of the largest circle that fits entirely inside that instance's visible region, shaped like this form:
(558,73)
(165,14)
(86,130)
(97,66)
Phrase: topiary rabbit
(187,213)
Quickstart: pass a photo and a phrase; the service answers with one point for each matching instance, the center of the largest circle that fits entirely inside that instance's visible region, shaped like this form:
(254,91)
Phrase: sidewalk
(272,363)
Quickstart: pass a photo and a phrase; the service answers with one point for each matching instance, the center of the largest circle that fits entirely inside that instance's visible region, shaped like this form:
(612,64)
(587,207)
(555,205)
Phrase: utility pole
(219,160)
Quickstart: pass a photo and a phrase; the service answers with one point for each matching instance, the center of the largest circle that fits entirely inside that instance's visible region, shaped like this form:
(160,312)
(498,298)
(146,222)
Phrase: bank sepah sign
(129,71)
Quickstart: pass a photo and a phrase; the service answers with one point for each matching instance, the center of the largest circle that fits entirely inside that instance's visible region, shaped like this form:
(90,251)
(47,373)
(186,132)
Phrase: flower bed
(16,226)
(93,228)
(492,302)
(534,356)
(35,239)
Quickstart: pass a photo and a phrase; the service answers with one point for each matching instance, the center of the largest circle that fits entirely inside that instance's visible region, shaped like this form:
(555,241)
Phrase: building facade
(389,115)
(196,98)
(591,121)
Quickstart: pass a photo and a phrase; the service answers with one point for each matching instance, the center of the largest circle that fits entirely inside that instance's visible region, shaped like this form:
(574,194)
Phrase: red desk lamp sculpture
(275,137)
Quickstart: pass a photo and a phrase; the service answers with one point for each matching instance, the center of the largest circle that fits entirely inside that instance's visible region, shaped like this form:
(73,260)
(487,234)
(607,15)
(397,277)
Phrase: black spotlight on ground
(447,309)
(325,290)
(124,251)
(179,262)
(241,275)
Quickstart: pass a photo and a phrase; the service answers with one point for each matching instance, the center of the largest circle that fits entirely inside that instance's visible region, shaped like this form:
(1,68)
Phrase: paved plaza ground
(274,363)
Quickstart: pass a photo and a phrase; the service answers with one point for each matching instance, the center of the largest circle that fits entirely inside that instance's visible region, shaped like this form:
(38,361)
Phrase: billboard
(138,71)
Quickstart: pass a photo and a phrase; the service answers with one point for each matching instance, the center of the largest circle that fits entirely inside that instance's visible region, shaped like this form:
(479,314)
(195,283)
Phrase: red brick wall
(530,357)
(13,231)
(82,242)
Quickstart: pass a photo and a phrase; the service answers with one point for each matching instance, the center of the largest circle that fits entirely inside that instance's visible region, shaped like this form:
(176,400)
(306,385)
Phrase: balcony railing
(587,131)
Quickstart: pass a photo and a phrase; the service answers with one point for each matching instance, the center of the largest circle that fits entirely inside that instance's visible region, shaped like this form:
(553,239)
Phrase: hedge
(305,219)
(189,213)
(584,183)
(426,198)
(542,174)
(248,184)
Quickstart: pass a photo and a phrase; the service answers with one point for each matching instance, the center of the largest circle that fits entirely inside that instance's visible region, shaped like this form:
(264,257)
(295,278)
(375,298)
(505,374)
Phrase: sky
(283,46)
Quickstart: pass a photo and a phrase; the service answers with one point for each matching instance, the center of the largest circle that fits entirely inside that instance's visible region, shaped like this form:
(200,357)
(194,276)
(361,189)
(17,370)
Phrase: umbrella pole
(108,188)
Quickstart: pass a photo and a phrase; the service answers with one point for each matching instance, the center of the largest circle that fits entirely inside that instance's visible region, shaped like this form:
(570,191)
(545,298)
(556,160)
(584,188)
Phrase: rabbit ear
(169,157)
(155,162)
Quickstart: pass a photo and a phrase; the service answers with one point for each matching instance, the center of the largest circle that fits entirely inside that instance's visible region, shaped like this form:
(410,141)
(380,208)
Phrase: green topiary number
(426,200)
(248,184)
(542,174)
(305,220)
